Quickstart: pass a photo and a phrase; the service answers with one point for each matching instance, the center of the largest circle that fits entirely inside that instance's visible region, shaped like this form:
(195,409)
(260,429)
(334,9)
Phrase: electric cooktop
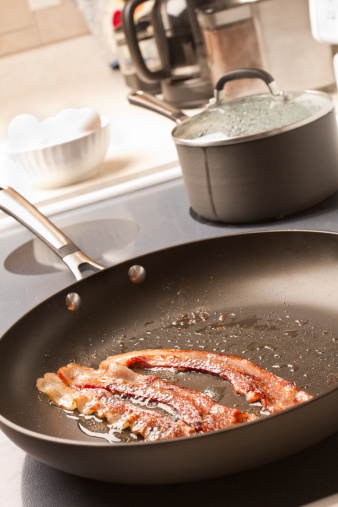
(112,230)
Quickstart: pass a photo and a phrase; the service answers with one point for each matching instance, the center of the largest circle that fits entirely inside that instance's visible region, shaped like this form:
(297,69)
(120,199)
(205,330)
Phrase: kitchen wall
(28,24)
(289,50)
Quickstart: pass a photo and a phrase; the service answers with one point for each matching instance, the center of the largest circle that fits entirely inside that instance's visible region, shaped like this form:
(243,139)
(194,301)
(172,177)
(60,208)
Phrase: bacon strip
(120,414)
(60,394)
(193,408)
(246,378)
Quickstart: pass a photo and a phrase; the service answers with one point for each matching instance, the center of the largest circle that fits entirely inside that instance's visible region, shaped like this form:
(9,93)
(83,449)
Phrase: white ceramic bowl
(66,163)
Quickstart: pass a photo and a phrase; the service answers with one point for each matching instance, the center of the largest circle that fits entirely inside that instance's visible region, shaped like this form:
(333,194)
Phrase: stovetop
(110,231)
(119,228)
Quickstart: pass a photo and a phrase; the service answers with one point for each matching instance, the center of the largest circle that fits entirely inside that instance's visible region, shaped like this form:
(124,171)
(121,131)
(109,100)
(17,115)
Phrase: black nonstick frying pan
(270,297)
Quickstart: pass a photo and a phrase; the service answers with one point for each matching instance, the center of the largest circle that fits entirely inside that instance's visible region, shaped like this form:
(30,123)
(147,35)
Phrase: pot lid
(254,116)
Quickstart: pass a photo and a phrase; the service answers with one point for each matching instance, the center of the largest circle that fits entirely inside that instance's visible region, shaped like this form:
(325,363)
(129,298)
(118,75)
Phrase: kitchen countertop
(75,73)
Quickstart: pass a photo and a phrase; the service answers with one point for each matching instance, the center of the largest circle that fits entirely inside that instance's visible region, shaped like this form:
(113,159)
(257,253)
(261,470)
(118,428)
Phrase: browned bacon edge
(192,407)
(246,378)
(120,414)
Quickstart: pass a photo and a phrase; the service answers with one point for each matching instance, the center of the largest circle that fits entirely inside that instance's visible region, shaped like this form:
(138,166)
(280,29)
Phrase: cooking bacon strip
(246,378)
(193,408)
(120,414)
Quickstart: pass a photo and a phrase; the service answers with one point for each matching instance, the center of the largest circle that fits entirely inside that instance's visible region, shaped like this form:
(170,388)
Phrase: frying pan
(271,297)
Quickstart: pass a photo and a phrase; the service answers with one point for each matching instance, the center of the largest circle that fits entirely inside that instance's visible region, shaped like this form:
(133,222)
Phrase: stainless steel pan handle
(143,99)
(15,205)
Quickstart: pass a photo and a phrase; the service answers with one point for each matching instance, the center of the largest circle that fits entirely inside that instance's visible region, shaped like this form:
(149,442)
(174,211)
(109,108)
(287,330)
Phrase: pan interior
(299,350)
(270,298)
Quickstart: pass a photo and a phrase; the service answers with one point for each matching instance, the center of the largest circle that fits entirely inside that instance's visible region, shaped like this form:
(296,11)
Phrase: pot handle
(143,99)
(245,74)
(15,205)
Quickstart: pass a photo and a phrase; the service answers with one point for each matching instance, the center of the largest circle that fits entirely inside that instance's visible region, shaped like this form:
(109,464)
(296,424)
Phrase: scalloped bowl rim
(105,122)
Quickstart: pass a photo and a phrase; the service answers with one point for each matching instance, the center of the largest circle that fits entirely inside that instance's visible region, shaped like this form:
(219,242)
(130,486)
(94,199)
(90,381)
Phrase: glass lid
(253,116)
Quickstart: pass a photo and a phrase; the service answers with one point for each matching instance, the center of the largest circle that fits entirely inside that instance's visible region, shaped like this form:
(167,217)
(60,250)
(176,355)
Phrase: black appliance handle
(133,43)
(161,38)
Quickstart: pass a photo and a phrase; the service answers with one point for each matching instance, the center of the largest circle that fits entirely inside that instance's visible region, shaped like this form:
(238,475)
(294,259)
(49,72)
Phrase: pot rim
(268,133)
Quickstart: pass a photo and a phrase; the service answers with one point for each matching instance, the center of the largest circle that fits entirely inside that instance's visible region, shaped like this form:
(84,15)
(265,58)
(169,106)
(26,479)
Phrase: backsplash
(289,50)
(23,28)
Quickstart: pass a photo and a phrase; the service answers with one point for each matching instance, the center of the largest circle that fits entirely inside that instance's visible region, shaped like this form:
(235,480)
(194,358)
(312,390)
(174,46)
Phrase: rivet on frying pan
(73,302)
(137,274)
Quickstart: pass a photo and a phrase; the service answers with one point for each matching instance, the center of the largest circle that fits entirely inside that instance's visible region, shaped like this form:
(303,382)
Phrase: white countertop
(75,74)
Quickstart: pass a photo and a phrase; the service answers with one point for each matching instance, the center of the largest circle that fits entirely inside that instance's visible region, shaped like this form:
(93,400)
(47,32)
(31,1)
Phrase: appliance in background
(104,19)
(183,73)
(271,34)
(146,40)
(324,25)
(289,46)
(231,38)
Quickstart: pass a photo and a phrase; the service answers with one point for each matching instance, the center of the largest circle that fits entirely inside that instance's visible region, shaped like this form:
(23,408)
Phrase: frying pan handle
(143,99)
(245,74)
(15,205)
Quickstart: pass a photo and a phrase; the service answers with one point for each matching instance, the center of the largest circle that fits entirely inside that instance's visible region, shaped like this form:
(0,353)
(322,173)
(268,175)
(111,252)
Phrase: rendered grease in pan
(92,426)
(291,347)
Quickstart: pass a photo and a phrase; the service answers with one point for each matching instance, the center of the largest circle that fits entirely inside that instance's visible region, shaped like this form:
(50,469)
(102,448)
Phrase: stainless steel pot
(257,157)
